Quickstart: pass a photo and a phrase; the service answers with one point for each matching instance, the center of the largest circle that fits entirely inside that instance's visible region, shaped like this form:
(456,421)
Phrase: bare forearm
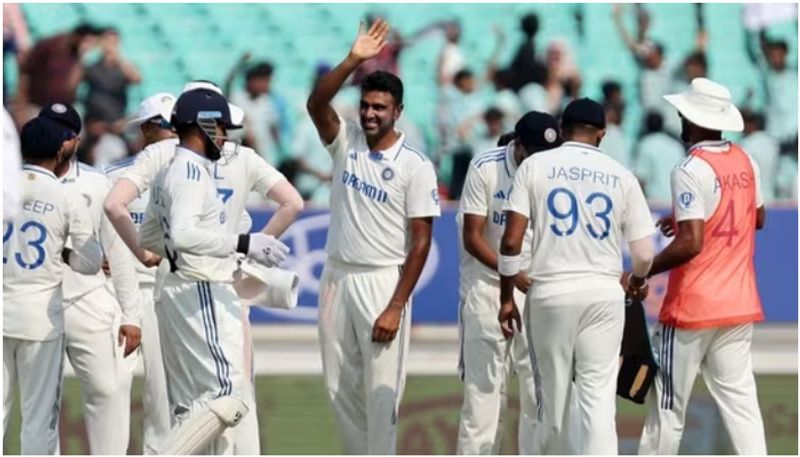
(329,85)
(291,204)
(478,247)
(677,253)
(116,208)
(415,261)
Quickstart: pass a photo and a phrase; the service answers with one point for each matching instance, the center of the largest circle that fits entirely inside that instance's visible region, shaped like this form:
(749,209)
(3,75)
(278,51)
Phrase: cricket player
(99,312)
(152,120)
(201,315)
(706,320)
(488,359)
(240,171)
(383,201)
(581,205)
(34,253)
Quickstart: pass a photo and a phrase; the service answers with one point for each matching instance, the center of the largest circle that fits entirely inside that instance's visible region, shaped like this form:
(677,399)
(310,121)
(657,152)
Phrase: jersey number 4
(35,242)
(572,215)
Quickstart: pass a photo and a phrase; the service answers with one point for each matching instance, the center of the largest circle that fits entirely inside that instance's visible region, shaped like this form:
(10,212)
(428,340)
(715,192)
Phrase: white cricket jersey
(92,187)
(32,250)
(136,209)
(185,206)
(246,171)
(582,205)
(487,187)
(373,195)
(696,188)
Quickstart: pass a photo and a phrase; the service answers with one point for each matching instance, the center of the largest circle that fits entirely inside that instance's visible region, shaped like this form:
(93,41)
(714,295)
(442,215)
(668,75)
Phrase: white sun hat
(708,104)
(159,104)
(258,285)
(237,114)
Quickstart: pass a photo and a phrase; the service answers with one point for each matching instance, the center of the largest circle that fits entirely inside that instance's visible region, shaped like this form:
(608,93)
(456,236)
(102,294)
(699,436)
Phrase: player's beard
(65,156)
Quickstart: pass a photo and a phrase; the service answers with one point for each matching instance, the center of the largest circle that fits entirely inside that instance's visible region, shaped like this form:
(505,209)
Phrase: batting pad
(195,434)
(637,364)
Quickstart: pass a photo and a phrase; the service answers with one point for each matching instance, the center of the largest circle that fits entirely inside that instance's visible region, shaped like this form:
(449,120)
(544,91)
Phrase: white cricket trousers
(91,326)
(487,362)
(38,368)
(202,348)
(156,418)
(722,355)
(575,334)
(248,439)
(365,380)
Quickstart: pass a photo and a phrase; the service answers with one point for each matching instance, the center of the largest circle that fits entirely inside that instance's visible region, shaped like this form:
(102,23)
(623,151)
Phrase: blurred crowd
(85,66)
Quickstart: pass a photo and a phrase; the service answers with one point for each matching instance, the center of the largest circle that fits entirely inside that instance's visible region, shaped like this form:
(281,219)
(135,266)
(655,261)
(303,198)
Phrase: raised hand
(368,44)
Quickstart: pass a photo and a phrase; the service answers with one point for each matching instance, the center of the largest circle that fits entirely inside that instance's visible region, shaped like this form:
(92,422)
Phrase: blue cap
(64,114)
(41,138)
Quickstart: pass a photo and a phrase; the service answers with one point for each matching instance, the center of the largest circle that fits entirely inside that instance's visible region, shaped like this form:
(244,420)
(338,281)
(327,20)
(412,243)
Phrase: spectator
(525,67)
(614,142)
(12,170)
(451,59)
(764,149)
(612,94)
(458,107)
(262,116)
(787,174)
(563,79)
(51,71)
(16,39)
(505,99)
(107,84)
(657,153)
(494,122)
(780,87)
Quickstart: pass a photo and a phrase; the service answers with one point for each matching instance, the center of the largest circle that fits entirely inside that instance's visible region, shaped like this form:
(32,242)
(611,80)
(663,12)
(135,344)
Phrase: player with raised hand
(383,200)
(488,358)
(581,205)
(34,255)
(97,310)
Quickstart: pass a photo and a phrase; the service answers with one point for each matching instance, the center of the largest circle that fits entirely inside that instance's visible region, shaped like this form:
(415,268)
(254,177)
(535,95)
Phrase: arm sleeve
(637,221)
(261,176)
(338,147)
(687,195)
(757,177)
(519,199)
(123,273)
(422,193)
(143,170)
(474,196)
(185,211)
(86,256)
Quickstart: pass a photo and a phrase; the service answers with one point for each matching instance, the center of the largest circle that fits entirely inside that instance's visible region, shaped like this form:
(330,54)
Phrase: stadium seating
(172,43)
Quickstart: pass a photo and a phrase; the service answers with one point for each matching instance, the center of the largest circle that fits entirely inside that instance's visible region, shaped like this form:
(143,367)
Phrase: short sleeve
(473,196)
(261,176)
(422,193)
(687,195)
(519,198)
(338,147)
(638,220)
(757,175)
(143,170)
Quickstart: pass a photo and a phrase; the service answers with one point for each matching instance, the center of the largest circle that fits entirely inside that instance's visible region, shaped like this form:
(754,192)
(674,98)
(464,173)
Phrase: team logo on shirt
(387,174)
(435,196)
(686,199)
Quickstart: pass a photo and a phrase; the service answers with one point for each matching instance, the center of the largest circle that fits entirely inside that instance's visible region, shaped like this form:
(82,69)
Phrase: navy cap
(63,114)
(537,130)
(199,104)
(41,138)
(584,111)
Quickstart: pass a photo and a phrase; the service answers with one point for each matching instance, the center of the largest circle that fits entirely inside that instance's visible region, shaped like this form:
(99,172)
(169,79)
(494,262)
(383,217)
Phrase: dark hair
(697,57)
(754,117)
(493,114)
(653,122)
(84,29)
(41,138)
(462,75)
(780,44)
(506,138)
(502,78)
(609,87)
(383,81)
(529,24)
(111,30)
(259,70)
(659,48)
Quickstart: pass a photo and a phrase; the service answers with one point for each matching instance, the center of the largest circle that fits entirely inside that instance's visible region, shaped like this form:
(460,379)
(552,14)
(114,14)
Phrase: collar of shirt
(576,144)
(392,151)
(38,169)
(193,156)
(511,162)
(712,146)
(72,173)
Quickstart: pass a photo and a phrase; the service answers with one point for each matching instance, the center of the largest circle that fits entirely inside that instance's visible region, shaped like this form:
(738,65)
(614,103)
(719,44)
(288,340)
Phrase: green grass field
(295,418)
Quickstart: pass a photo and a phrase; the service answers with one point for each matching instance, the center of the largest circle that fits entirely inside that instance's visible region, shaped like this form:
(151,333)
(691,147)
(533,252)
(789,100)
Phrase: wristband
(508,265)
(243,244)
(644,284)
